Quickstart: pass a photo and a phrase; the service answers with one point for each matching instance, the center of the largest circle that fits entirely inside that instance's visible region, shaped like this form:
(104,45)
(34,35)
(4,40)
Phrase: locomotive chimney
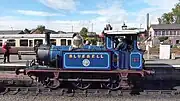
(47,38)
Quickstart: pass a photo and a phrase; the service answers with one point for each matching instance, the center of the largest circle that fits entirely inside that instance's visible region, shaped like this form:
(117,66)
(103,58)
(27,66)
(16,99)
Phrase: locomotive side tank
(48,54)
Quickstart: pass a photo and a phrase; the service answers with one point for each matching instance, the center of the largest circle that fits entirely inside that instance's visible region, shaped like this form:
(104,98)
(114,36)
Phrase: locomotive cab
(123,44)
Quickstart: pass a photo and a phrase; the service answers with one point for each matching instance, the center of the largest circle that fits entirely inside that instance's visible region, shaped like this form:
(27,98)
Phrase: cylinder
(47,38)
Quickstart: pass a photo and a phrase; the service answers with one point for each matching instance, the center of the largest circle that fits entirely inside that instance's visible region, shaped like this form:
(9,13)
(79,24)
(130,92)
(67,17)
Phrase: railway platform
(15,62)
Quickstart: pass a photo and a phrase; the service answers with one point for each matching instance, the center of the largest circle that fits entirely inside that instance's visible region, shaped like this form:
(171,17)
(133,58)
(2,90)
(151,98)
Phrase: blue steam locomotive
(116,65)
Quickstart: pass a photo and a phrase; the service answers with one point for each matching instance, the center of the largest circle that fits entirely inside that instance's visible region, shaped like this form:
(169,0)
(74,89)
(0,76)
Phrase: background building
(172,31)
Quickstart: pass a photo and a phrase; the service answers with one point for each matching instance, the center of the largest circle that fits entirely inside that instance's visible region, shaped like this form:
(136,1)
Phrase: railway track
(38,89)
(35,91)
(24,85)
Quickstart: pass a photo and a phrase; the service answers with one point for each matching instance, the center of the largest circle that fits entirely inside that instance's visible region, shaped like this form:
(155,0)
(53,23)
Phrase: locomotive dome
(77,41)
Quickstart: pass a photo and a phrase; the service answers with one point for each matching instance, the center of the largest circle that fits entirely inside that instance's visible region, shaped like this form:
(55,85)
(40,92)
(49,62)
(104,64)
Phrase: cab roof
(124,32)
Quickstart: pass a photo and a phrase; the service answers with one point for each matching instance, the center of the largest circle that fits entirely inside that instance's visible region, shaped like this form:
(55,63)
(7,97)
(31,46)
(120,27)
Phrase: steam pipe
(47,38)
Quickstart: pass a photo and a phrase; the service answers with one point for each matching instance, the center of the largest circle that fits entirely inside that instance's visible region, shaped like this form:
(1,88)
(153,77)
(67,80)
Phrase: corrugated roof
(46,30)
(10,31)
(165,26)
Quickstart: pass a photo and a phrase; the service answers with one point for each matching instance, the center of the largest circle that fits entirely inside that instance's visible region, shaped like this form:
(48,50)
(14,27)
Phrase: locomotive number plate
(86,60)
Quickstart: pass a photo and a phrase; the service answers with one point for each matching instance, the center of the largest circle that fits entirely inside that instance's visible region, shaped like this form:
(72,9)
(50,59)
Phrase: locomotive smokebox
(47,38)
(43,50)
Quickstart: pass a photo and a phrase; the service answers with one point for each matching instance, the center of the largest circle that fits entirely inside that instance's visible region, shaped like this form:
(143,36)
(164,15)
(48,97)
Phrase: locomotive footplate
(122,72)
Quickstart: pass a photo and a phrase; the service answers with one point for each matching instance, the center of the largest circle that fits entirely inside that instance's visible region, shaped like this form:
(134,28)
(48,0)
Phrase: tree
(176,13)
(41,29)
(167,18)
(84,32)
(171,17)
(159,20)
(92,38)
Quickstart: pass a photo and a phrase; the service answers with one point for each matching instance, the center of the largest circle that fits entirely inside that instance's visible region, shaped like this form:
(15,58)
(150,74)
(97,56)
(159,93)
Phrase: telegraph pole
(148,53)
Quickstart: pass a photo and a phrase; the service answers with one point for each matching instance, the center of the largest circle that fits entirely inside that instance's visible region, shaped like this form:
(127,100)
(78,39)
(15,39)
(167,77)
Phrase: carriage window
(178,32)
(30,43)
(12,42)
(23,42)
(63,41)
(53,41)
(177,41)
(0,42)
(69,42)
(39,40)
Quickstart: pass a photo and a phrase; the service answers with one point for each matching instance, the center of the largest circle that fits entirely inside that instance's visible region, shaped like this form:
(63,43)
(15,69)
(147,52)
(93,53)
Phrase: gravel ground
(65,98)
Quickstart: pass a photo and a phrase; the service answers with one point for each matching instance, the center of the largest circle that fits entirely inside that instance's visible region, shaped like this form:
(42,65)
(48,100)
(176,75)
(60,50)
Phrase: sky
(72,15)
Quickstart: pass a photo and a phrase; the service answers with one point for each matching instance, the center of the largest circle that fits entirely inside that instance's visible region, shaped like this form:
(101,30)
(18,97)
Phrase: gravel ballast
(91,98)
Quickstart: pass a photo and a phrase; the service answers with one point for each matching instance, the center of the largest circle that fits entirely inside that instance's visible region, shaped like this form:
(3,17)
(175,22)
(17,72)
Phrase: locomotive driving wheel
(53,84)
(81,84)
(113,83)
(33,78)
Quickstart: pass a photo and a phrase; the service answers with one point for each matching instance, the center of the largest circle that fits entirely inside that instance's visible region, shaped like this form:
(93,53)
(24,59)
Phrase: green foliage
(161,39)
(41,29)
(90,36)
(160,20)
(84,32)
(176,12)
(171,17)
(175,46)
(94,41)
(168,18)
